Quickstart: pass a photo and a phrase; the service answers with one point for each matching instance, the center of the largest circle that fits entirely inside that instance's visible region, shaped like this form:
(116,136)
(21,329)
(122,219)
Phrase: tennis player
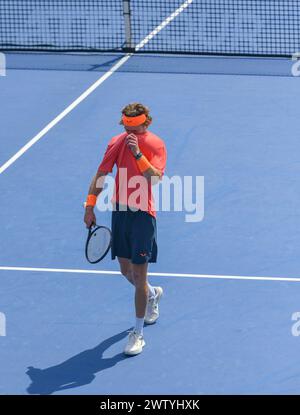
(140,157)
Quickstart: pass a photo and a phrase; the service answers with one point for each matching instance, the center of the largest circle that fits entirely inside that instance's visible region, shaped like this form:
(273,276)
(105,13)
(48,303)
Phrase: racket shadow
(77,371)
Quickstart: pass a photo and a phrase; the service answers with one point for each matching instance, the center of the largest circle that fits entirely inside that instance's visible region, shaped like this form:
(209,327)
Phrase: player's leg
(126,268)
(139,275)
(144,249)
(136,340)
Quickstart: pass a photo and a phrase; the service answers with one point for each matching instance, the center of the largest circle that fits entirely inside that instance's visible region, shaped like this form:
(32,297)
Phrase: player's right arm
(97,183)
(95,189)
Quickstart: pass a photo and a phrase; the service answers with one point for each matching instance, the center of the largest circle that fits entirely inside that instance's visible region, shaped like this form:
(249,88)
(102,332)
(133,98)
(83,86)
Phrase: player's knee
(127,273)
(139,280)
(125,267)
(124,272)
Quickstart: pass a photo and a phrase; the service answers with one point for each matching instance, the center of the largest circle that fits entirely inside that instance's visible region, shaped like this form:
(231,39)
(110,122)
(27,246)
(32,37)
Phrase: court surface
(219,333)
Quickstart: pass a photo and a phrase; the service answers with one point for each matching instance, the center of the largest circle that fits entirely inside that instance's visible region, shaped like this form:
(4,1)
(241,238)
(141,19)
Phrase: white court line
(93,87)
(163,24)
(156,274)
(64,113)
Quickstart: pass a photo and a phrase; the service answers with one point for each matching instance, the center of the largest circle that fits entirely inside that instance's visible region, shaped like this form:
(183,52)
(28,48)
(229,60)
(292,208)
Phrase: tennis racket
(98,243)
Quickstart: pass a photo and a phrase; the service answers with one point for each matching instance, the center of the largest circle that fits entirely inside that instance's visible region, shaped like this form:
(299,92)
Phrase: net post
(128,47)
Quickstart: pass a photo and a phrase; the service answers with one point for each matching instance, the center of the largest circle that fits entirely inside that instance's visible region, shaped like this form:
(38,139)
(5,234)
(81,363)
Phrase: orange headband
(134,121)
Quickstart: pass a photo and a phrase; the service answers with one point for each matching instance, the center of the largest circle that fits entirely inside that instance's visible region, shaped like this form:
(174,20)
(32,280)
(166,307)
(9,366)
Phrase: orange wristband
(143,164)
(91,200)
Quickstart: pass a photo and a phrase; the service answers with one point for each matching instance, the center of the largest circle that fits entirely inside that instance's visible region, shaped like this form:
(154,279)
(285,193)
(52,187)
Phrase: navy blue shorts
(134,236)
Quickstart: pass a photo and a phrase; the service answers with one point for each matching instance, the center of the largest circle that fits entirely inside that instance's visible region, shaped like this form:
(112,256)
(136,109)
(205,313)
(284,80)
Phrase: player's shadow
(77,371)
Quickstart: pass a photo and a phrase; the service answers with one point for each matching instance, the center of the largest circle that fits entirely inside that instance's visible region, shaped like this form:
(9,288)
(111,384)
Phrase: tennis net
(214,27)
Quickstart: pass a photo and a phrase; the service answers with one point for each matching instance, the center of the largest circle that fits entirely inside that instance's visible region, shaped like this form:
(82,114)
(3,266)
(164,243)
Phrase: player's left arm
(151,173)
(152,169)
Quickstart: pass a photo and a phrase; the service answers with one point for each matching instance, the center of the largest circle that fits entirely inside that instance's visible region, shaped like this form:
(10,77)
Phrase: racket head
(98,243)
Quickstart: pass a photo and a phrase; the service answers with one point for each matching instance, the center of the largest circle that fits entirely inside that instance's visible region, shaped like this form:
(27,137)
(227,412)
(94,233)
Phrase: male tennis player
(140,157)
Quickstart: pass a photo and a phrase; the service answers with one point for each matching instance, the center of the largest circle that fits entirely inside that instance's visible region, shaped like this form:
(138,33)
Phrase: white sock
(152,292)
(139,325)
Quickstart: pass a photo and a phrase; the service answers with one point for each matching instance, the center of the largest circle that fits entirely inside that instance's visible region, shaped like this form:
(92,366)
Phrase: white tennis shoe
(152,312)
(135,344)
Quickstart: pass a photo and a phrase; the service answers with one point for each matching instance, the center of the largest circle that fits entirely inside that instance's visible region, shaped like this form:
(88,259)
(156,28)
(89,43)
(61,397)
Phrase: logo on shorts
(143,254)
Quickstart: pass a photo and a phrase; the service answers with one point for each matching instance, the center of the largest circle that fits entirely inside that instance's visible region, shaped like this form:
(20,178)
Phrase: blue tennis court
(231,280)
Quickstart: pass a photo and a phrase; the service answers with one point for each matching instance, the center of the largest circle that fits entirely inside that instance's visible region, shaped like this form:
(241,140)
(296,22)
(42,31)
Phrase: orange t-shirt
(131,187)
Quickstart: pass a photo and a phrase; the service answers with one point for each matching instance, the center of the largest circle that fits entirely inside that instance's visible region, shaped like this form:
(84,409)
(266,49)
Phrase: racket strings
(98,244)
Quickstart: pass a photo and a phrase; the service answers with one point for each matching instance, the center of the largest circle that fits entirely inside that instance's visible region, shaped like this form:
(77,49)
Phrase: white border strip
(93,87)
(156,274)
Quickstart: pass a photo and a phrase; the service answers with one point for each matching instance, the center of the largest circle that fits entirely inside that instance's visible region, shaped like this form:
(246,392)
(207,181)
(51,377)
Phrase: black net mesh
(241,27)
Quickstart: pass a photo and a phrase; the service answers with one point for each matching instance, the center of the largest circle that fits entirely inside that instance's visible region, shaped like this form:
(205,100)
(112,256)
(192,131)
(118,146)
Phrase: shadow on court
(77,371)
